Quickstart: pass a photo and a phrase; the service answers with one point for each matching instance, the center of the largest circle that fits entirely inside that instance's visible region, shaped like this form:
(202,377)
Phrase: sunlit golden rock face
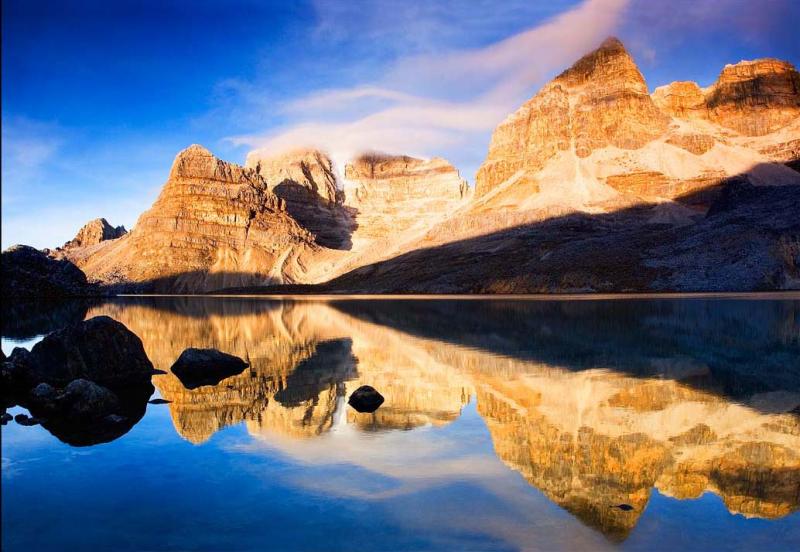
(397,197)
(214,225)
(596,125)
(602,100)
(753,98)
(306,168)
(306,181)
(94,232)
(590,440)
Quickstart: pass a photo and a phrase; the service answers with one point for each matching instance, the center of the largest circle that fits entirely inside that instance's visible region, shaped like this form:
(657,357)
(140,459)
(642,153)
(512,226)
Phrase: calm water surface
(508,425)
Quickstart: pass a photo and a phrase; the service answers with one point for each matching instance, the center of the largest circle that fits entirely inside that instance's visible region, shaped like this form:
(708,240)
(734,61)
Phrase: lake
(508,424)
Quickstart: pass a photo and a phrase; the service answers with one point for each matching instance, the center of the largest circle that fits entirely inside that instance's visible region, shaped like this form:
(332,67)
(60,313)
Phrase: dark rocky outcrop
(198,367)
(87,383)
(100,349)
(30,273)
(365,399)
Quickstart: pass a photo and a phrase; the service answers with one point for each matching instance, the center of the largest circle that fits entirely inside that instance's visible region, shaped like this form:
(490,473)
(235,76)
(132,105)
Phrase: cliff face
(215,224)
(753,98)
(594,139)
(393,194)
(306,181)
(602,100)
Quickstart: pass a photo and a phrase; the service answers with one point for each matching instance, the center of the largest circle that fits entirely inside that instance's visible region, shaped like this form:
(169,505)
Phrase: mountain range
(594,184)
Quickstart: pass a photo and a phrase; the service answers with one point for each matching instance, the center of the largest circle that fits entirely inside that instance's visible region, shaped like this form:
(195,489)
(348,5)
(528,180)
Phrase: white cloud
(414,114)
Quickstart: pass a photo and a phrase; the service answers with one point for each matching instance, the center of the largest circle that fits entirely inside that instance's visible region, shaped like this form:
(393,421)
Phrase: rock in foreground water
(88,383)
(365,399)
(100,349)
(198,367)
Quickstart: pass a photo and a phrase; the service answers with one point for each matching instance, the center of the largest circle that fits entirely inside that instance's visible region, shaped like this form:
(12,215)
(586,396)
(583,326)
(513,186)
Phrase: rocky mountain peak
(300,168)
(601,101)
(755,98)
(214,225)
(94,232)
(610,65)
(198,162)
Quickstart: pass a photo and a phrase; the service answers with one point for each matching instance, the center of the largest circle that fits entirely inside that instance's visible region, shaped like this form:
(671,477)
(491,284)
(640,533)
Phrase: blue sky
(98,97)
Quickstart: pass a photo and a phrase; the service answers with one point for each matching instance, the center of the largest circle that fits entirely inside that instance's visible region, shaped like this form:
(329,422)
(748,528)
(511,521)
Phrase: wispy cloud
(409,108)
(28,145)
(53,184)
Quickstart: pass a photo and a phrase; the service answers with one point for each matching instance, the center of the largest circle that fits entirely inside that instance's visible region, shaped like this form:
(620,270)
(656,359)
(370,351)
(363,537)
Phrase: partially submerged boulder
(365,399)
(25,420)
(88,383)
(99,349)
(198,367)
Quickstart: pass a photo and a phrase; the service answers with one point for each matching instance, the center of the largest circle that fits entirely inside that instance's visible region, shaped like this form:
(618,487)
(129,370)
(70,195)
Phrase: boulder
(25,420)
(85,399)
(99,349)
(198,367)
(365,399)
(28,272)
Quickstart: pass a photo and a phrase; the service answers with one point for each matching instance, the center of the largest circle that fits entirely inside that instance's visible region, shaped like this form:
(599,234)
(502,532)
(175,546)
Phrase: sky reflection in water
(507,425)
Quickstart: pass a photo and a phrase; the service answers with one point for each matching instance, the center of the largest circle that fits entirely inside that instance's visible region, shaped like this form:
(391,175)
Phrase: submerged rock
(158,401)
(198,367)
(85,399)
(365,399)
(5,418)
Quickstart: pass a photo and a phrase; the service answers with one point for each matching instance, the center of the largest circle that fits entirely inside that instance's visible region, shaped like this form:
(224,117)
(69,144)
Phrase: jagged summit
(94,232)
(610,63)
(198,162)
(215,224)
(601,101)
(194,150)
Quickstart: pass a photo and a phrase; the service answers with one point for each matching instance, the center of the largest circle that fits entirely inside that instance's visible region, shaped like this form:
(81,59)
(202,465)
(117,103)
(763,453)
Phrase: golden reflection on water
(589,439)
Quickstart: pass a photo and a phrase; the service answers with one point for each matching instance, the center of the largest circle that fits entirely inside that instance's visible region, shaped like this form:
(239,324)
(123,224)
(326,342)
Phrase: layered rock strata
(306,181)
(214,225)
(595,139)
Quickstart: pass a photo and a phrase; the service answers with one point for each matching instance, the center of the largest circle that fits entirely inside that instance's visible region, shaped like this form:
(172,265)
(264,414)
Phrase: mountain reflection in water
(594,403)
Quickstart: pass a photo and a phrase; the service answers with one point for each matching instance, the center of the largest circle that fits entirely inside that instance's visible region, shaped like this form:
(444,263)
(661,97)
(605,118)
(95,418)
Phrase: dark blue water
(508,425)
